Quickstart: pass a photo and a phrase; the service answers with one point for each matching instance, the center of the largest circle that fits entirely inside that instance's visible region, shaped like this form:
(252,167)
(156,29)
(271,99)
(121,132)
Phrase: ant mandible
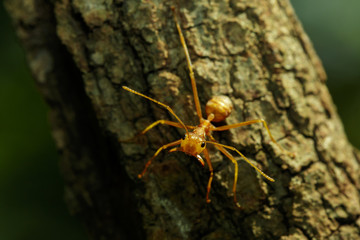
(194,143)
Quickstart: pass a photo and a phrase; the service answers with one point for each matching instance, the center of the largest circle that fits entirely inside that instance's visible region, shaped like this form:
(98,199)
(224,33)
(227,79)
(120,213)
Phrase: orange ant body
(194,143)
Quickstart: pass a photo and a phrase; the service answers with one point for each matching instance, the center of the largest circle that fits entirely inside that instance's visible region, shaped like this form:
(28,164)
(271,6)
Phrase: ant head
(192,144)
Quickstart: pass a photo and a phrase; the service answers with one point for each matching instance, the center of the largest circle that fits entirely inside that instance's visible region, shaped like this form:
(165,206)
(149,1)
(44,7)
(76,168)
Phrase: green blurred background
(334,28)
(31,188)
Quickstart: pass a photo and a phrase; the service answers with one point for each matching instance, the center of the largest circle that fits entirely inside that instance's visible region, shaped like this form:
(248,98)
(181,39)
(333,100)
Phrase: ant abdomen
(221,106)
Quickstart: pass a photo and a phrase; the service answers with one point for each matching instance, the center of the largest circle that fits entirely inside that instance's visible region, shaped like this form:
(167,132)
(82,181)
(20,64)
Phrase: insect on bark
(194,142)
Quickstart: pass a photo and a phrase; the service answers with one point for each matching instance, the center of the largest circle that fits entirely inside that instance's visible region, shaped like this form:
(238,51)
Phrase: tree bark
(81,52)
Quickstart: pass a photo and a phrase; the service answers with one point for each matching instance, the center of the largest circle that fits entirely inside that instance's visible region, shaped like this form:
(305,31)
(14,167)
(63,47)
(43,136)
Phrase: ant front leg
(227,127)
(157,153)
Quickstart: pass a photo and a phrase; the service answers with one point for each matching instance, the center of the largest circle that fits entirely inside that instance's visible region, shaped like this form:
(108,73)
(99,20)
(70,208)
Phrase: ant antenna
(161,104)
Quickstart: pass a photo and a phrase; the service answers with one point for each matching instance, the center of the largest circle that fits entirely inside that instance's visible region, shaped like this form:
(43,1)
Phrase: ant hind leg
(227,127)
(207,157)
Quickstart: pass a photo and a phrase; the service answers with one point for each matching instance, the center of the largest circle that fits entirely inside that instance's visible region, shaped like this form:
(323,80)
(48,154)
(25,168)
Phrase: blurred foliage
(31,202)
(31,188)
(333,27)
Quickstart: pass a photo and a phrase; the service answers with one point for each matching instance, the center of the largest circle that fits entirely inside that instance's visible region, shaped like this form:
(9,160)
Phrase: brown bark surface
(81,52)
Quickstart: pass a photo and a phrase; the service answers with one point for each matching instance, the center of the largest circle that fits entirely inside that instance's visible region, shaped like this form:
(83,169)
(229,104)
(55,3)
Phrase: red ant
(194,143)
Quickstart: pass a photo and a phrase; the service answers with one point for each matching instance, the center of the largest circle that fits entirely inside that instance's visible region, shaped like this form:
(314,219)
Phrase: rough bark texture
(81,52)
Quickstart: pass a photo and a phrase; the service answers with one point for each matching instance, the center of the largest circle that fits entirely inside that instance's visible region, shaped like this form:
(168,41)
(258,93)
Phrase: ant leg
(191,72)
(207,157)
(157,102)
(166,122)
(157,153)
(222,146)
(227,154)
(222,149)
(174,124)
(227,127)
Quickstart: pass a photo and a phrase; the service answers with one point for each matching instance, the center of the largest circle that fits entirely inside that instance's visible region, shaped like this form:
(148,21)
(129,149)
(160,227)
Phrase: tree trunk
(81,52)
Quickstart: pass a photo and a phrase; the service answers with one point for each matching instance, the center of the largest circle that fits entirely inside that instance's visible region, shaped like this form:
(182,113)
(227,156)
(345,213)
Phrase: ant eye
(183,138)
(203,144)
